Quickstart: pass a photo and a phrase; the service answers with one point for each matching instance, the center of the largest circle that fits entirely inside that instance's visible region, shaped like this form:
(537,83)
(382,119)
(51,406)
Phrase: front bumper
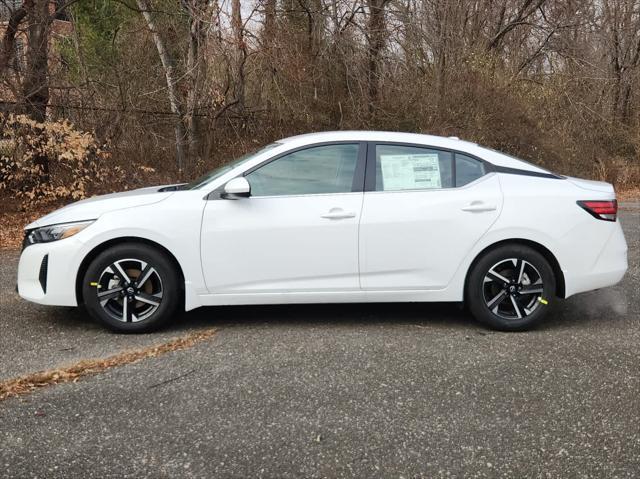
(47,272)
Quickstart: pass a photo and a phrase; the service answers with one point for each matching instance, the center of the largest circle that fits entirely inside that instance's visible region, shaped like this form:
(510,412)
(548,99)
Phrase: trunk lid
(590,185)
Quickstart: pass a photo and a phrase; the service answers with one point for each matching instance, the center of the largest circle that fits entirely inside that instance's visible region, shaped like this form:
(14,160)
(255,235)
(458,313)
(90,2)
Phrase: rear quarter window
(468,169)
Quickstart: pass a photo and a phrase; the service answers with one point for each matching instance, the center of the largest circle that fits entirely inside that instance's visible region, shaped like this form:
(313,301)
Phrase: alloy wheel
(513,289)
(130,290)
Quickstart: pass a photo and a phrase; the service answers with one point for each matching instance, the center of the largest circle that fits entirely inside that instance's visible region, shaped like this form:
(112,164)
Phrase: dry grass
(12,232)
(629,194)
(13,221)
(30,382)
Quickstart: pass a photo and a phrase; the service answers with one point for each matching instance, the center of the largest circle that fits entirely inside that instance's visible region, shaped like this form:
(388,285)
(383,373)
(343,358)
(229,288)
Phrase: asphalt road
(333,391)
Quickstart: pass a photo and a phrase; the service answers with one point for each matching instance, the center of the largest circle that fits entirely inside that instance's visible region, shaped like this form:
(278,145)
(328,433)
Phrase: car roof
(453,143)
(366,135)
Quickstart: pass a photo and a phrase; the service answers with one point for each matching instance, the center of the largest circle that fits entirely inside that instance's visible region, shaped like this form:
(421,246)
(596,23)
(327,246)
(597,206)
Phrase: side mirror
(236,188)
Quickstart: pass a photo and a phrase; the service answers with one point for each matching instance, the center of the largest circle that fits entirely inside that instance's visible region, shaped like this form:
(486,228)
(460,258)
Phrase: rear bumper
(608,269)
(47,272)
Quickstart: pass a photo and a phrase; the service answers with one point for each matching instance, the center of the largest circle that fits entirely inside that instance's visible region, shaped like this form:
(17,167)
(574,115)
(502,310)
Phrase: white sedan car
(336,217)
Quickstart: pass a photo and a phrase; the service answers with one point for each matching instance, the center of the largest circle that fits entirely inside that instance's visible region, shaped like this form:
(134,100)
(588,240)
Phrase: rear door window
(412,168)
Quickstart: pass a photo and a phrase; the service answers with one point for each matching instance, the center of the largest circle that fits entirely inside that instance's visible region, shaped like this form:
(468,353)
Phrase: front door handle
(479,206)
(338,214)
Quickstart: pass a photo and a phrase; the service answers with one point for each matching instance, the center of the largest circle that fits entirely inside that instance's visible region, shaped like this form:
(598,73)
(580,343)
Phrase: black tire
(518,304)
(148,305)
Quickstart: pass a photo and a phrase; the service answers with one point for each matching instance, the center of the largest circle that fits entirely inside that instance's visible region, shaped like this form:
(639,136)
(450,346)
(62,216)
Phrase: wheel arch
(543,250)
(116,241)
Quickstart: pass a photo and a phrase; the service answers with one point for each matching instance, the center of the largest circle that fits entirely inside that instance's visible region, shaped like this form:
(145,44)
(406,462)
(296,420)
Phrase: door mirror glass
(237,188)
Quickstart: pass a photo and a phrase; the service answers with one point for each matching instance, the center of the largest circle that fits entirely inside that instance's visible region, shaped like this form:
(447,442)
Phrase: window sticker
(410,172)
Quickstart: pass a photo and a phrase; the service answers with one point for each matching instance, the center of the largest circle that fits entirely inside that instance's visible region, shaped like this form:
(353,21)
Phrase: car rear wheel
(511,288)
(131,288)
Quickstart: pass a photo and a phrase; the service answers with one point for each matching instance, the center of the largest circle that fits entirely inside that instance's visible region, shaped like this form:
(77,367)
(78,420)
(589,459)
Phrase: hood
(600,186)
(92,208)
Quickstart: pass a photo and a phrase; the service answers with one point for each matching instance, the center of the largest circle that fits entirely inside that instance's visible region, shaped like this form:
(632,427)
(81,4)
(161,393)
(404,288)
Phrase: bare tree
(239,54)
(35,88)
(168,66)
(622,20)
(507,22)
(196,70)
(376,37)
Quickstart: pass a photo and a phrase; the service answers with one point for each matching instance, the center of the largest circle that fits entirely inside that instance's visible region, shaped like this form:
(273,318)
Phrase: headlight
(50,233)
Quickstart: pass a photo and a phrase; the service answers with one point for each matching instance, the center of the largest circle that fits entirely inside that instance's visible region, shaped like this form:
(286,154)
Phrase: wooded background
(166,89)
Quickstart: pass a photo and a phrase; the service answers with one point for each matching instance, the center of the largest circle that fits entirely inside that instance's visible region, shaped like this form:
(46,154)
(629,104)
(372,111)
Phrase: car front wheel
(511,288)
(131,288)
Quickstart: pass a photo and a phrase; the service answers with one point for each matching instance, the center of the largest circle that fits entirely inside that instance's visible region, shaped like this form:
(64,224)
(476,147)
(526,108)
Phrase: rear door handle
(338,214)
(479,206)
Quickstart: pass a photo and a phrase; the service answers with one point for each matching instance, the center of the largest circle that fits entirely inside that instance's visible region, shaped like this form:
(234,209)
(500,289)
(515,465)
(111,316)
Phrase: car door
(298,230)
(423,211)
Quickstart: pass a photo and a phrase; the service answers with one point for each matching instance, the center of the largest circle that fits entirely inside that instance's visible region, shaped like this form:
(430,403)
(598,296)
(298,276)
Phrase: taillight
(603,210)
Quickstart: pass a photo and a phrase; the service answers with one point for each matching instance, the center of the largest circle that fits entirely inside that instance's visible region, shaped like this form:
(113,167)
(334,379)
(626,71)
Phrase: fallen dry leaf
(30,382)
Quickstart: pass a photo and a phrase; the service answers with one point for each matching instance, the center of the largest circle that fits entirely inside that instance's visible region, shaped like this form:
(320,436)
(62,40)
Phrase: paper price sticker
(410,172)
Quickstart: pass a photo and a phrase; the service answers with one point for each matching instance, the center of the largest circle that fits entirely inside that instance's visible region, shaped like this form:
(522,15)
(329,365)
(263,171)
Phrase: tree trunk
(268,57)
(172,88)
(239,54)
(9,37)
(269,23)
(196,68)
(35,88)
(376,41)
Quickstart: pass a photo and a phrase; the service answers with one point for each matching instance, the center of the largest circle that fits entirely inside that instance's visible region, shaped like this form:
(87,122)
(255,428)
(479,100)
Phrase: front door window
(317,170)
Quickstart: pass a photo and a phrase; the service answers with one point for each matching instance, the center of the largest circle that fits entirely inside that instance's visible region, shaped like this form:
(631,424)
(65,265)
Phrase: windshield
(221,170)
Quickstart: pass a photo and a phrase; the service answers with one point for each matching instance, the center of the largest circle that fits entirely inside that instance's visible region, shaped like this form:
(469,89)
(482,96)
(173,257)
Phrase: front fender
(175,227)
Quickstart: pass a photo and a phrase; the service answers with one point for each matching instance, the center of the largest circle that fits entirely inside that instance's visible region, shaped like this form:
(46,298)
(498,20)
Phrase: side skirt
(443,295)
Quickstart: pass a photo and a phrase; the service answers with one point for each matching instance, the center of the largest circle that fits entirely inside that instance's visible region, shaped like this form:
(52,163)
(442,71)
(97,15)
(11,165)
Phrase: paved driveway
(333,391)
